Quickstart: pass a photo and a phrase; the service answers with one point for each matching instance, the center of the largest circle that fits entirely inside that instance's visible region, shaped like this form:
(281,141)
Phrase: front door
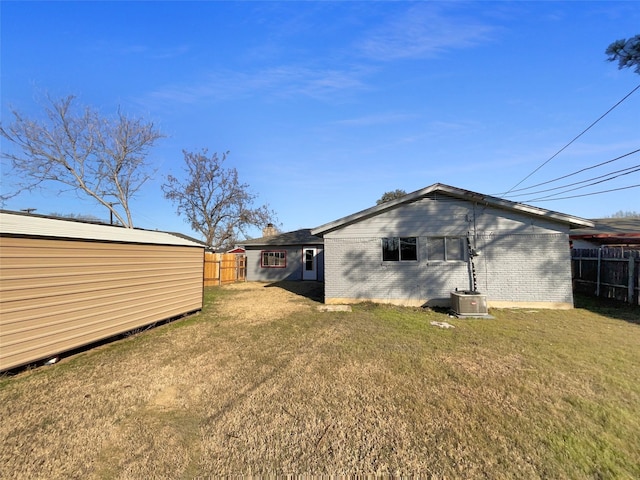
(309,264)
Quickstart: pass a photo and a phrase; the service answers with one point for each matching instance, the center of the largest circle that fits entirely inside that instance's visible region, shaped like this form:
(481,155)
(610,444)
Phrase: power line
(570,174)
(587,194)
(636,167)
(584,186)
(578,136)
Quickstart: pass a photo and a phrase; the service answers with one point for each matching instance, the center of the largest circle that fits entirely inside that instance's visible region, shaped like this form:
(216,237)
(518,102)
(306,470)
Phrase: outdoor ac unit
(467,303)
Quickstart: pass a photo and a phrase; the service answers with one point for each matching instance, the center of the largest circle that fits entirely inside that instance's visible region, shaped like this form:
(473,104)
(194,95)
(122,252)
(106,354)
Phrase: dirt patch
(167,398)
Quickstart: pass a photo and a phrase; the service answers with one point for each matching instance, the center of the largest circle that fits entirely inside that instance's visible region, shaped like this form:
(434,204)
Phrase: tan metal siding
(57,295)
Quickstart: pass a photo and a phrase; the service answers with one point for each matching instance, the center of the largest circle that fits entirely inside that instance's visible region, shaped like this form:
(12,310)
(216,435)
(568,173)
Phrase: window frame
(283,258)
(386,240)
(446,252)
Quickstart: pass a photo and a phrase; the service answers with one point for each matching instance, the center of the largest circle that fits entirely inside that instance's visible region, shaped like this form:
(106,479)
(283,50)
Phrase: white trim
(313,273)
(458,193)
(35,226)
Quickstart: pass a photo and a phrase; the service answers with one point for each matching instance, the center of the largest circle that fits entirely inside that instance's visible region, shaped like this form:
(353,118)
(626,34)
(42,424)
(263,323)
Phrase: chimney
(269,230)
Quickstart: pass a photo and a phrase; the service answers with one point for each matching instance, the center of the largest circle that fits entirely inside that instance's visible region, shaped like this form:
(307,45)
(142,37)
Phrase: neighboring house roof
(29,224)
(297,237)
(457,193)
(236,250)
(609,231)
(187,237)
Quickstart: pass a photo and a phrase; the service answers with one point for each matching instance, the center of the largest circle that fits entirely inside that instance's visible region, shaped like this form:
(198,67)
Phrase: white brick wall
(513,268)
(524,258)
(525,268)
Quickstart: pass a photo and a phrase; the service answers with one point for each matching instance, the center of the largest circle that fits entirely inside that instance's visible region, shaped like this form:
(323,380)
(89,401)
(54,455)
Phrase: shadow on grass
(312,290)
(55,358)
(609,308)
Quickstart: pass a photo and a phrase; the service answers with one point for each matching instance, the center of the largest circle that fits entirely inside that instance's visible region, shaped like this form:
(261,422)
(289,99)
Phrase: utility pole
(111,204)
(28,210)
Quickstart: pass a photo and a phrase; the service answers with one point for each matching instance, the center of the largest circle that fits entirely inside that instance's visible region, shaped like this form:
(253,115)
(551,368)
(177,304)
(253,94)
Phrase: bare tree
(624,214)
(79,150)
(213,200)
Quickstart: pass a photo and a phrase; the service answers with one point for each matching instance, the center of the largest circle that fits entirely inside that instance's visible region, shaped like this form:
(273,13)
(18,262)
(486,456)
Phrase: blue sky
(324,106)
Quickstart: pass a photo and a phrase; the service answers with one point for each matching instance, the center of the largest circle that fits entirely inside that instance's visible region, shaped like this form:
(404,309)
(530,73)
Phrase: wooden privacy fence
(222,268)
(607,272)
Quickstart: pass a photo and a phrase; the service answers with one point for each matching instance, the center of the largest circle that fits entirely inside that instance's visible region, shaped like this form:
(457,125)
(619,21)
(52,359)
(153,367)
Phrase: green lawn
(379,390)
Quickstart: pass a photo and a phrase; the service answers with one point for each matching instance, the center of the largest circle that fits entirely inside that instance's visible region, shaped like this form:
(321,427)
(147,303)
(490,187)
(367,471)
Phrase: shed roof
(457,193)
(297,237)
(32,225)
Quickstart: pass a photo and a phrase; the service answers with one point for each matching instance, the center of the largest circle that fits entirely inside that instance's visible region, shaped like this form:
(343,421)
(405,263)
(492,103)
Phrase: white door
(309,264)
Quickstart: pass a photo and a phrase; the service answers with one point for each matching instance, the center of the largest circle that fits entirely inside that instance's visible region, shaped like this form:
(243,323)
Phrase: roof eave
(294,238)
(509,205)
(573,222)
(18,224)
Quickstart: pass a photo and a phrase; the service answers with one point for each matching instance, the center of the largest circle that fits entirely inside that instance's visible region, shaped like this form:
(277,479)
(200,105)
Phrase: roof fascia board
(372,211)
(295,238)
(19,225)
(521,207)
(455,192)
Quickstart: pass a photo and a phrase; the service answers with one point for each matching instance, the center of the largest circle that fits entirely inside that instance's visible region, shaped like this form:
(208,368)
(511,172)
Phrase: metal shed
(65,284)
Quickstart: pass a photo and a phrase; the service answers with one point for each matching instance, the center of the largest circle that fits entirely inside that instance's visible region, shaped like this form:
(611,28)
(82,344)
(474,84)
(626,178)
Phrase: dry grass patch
(262,383)
(257,303)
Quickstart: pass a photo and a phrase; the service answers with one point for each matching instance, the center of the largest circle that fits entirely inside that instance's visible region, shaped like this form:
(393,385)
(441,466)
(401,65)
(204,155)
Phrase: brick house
(418,248)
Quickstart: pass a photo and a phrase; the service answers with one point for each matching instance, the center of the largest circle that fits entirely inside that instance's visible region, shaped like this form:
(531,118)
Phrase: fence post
(580,267)
(631,285)
(599,267)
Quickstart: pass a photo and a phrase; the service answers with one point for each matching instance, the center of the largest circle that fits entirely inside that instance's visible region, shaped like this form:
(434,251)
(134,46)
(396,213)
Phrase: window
(309,259)
(276,259)
(399,249)
(447,249)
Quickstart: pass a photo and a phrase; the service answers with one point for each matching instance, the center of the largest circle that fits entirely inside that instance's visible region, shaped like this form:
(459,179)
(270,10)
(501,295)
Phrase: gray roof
(191,239)
(612,225)
(457,193)
(297,237)
(611,231)
(22,224)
